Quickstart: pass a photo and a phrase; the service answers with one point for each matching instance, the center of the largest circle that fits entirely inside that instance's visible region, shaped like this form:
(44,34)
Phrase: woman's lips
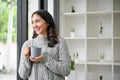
(37,30)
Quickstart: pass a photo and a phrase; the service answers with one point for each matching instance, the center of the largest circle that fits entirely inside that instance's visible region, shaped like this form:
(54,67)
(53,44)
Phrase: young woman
(54,61)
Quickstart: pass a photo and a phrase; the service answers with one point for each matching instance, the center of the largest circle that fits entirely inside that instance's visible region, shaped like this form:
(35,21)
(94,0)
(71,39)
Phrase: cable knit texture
(55,66)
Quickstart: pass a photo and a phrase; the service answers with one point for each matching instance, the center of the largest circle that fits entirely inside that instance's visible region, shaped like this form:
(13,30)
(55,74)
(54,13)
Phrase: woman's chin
(38,32)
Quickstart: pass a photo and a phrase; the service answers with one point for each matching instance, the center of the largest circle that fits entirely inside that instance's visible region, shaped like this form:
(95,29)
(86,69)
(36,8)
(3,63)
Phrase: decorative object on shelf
(102,56)
(76,57)
(100,29)
(72,65)
(72,33)
(71,75)
(72,9)
(101,77)
(5,70)
(72,72)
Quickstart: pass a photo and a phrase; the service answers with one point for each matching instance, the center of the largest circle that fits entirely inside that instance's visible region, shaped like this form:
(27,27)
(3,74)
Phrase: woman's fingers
(37,59)
(26,52)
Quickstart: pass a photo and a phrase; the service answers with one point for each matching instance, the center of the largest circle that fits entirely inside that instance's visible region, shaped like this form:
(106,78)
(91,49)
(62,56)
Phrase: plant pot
(72,34)
(101,60)
(71,75)
(100,35)
(76,60)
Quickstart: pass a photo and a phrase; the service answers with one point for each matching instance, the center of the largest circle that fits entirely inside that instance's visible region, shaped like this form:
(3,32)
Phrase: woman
(54,61)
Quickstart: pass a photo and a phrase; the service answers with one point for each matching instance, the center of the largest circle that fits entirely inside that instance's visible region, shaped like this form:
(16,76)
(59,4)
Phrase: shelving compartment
(95,71)
(117,72)
(66,5)
(94,23)
(99,5)
(98,47)
(116,24)
(116,5)
(117,51)
(68,23)
(77,46)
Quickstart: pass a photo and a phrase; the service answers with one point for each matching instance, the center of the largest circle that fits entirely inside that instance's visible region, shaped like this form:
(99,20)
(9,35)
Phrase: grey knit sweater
(55,66)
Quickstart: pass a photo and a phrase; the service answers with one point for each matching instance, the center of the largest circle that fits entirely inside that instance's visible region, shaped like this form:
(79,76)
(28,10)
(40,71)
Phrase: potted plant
(72,9)
(72,65)
(72,33)
(101,77)
(72,72)
(100,29)
(76,57)
(102,56)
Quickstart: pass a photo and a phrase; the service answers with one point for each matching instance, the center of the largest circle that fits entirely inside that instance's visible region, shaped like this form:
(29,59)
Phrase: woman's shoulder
(62,44)
(61,39)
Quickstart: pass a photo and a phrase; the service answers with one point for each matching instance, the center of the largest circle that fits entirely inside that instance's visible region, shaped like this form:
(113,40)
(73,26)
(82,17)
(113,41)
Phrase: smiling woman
(54,61)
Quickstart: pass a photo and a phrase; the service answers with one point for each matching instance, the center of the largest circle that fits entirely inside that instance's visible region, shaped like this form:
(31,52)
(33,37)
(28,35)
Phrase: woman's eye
(37,21)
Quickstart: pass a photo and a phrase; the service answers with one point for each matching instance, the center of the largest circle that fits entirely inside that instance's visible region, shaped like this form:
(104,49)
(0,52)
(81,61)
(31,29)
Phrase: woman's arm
(25,64)
(61,66)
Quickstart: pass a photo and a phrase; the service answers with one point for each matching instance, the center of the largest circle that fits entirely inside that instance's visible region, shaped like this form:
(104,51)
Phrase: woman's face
(39,24)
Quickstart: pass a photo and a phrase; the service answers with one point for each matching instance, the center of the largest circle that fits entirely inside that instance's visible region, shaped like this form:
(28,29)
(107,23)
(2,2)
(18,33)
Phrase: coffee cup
(35,52)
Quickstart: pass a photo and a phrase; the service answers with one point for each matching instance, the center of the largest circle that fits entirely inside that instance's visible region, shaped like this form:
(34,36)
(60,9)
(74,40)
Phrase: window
(8,38)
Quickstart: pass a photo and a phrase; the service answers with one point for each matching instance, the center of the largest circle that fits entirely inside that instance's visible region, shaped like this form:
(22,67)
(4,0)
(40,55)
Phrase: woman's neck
(42,35)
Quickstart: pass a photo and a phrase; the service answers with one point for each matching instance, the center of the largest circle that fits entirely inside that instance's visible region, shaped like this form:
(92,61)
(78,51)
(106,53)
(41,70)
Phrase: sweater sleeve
(25,64)
(61,66)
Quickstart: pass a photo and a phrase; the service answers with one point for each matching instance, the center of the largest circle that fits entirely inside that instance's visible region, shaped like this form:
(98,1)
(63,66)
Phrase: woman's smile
(38,29)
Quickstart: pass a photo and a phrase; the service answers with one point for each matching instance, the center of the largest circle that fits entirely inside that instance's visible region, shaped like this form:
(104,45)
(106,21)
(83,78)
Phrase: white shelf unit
(87,19)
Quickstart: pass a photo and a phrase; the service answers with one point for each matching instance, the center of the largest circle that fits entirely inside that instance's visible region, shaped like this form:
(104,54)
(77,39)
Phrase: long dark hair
(52,35)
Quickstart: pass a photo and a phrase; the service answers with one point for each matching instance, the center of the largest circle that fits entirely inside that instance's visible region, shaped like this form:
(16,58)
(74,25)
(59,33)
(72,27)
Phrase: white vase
(76,60)
(66,78)
(100,35)
(101,60)
(72,34)
(71,75)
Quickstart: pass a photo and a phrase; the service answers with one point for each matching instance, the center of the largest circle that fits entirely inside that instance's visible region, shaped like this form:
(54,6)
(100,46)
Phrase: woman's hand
(27,52)
(38,59)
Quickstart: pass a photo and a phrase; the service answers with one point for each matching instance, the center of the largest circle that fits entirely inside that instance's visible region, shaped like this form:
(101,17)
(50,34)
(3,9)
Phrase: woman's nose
(34,25)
